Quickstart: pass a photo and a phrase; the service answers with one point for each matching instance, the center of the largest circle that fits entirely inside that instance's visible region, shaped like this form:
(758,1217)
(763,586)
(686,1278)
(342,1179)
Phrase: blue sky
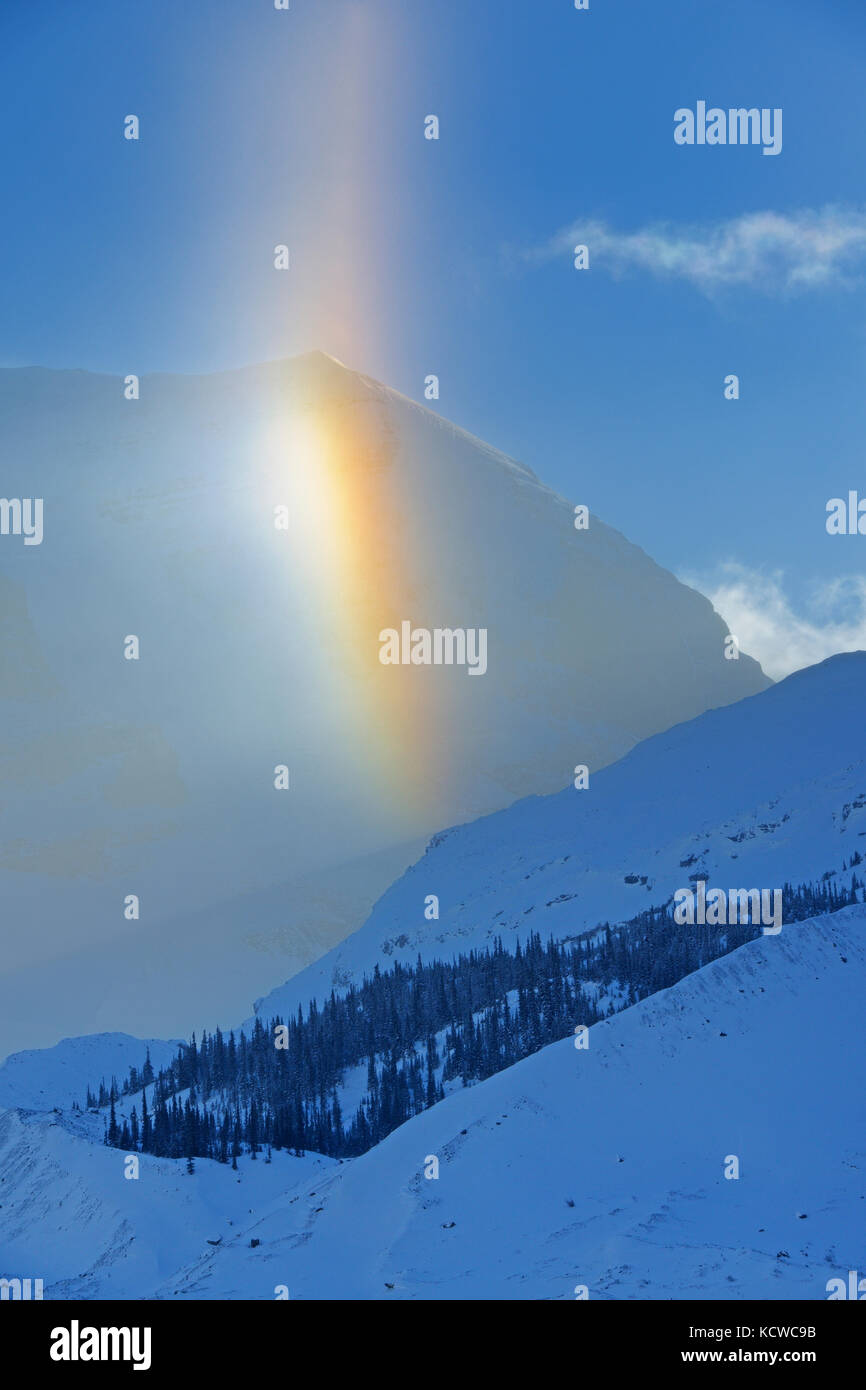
(307,127)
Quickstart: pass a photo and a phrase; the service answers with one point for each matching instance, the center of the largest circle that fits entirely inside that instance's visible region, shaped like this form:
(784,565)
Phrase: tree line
(410,1031)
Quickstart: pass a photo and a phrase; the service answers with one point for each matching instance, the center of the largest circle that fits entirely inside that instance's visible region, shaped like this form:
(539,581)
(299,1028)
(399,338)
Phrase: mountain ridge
(588,844)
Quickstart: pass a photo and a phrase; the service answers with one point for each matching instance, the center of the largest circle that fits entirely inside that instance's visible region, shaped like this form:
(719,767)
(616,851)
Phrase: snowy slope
(260,647)
(55,1077)
(605,1167)
(602,1167)
(767,790)
(69,1216)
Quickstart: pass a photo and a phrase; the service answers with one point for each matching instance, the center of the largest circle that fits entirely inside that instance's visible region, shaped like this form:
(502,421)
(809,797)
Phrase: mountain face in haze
(218,560)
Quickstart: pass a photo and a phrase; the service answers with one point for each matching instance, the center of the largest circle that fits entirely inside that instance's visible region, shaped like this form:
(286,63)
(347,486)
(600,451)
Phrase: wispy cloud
(775,253)
(760,615)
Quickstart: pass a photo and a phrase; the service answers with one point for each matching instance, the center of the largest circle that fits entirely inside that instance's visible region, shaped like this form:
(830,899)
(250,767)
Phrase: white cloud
(760,615)
(767,251)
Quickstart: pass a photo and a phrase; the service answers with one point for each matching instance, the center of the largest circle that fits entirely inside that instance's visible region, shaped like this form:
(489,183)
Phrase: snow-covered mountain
(57,1077)
(767,791)
(749,1058)
(607,1171)
(609,1168)
(259,648)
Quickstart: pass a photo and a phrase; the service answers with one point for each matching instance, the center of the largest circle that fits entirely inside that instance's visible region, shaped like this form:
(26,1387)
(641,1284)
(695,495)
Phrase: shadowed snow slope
(602,1167)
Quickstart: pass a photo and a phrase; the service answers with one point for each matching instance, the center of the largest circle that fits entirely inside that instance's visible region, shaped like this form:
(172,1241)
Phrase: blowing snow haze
(197,726)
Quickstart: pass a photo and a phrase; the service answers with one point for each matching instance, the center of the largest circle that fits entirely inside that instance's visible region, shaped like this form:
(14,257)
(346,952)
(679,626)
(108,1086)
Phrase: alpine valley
(677,1104)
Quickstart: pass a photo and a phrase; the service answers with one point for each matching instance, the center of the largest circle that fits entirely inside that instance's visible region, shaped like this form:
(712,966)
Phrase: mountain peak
(317,358)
